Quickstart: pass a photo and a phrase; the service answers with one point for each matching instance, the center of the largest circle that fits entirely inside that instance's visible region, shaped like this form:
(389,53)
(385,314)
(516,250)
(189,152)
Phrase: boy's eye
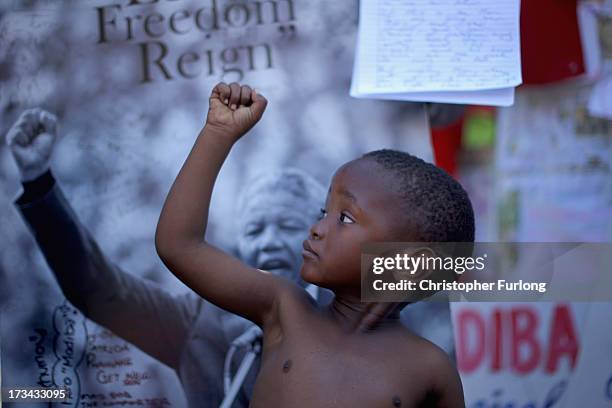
(345,219)
(323,213)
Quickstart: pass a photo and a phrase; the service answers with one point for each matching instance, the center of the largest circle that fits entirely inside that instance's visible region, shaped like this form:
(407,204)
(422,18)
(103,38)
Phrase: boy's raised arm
(179,239)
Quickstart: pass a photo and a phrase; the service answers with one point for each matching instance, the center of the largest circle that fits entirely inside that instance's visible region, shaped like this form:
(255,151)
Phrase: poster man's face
(272,229)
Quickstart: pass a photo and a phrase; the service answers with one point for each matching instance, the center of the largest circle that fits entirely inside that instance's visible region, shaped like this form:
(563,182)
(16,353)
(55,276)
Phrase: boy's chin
(311,275)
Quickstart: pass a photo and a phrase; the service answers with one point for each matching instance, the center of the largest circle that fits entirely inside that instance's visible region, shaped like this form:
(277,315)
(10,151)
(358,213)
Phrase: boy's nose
(316,231)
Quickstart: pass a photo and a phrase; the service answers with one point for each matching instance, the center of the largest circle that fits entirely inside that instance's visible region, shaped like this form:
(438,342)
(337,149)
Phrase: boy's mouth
(308,252)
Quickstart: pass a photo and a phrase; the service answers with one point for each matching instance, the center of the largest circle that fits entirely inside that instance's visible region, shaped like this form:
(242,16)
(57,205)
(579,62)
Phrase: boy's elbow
(160,248)
(171,248)
(166,250)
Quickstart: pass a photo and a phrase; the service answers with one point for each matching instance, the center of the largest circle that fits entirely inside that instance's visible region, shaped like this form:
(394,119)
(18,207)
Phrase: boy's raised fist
(234,109)
(31,141)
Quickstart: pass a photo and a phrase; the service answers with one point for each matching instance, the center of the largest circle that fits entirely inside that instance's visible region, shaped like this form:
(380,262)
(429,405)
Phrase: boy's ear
(417,257)
(418,260)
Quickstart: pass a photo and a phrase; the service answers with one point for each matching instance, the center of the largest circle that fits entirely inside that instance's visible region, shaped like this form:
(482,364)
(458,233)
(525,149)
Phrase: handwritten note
(457,51)
(69,350)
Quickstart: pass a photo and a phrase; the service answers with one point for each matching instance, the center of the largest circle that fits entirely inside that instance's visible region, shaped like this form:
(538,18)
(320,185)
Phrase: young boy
(349,354)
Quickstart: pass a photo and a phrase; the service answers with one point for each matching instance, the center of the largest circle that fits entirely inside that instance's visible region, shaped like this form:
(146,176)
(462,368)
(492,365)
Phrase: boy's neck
(356,316)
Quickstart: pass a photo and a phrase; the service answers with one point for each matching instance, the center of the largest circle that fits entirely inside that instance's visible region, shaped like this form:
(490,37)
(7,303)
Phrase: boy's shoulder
(432,364)
(420,350)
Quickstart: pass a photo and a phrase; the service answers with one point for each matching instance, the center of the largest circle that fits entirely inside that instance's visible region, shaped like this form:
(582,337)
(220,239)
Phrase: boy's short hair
(435,205)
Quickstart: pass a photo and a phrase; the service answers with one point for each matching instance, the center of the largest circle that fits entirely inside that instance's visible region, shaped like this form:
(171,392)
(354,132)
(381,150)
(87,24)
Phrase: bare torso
(315,362)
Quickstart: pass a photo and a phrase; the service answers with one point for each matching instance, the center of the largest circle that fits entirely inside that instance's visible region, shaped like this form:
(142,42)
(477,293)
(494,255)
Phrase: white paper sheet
(438,51)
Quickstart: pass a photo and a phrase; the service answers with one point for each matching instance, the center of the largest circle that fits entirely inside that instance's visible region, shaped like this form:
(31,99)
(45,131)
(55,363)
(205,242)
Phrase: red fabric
(550,41)
(446,143)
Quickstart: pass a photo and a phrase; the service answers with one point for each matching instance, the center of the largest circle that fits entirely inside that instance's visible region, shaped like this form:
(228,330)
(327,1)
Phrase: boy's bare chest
(308,370)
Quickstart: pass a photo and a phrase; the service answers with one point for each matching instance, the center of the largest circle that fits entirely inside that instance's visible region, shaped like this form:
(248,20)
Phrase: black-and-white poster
(119,90)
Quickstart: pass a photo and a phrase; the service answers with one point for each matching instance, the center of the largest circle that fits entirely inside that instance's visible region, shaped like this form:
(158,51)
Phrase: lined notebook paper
(455,51)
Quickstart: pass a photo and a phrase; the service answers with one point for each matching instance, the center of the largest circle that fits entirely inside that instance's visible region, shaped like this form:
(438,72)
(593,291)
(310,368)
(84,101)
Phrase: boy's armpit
(294,311)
